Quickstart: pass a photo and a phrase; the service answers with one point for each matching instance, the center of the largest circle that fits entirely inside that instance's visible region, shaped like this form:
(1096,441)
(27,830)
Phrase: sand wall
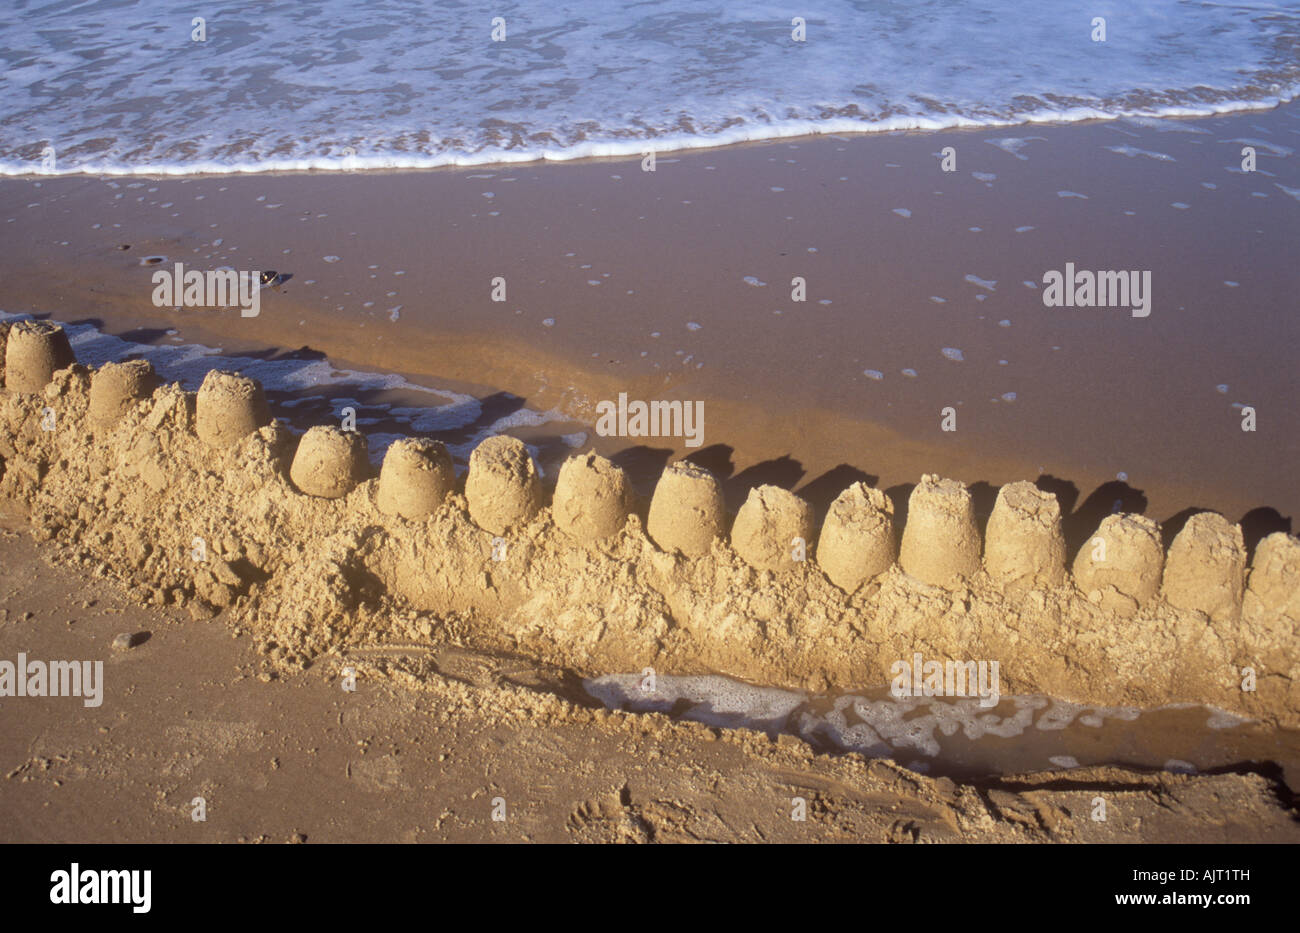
(201,505)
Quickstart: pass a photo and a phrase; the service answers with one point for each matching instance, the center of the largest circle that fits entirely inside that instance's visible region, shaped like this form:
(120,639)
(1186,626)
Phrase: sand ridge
(225,527)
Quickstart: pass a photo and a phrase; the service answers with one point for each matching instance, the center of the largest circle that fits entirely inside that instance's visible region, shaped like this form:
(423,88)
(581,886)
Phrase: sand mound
(1024,548)
(857,538)
(773,529)
(1275,577)
(33,351)
(229,407)
(1205,570)
(502,485)
(940,541)
(1120,566)
(416,477)
(329,462)
(687,511)
(222,528)
(116,388)
(592,498)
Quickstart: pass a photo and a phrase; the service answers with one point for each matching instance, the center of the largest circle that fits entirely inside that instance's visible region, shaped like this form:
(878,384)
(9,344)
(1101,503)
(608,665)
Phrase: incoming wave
(115,88)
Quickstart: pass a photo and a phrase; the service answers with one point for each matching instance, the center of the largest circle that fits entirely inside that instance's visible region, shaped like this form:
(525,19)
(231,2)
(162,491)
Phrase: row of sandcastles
(1122,568)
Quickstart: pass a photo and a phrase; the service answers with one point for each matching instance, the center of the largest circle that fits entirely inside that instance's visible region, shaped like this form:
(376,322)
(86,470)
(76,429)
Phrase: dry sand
(429,739)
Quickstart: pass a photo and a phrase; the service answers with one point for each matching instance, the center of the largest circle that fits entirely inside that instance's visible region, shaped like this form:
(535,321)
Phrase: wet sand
(624,281)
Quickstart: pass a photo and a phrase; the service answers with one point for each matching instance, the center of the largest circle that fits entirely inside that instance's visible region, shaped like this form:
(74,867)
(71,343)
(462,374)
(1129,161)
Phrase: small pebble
(127,640)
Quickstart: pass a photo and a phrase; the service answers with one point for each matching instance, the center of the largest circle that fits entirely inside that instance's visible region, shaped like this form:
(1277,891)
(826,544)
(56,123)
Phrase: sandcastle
(416,477)
(116,388)
(1125,627)
(1024,547)
(773,529)
(34,351)
(502,486)
(857,538)
(1274,587)
(592,498)
(229,407)
(1120,567)
(1205,570)
(940,540)
(329,462)
(687,511)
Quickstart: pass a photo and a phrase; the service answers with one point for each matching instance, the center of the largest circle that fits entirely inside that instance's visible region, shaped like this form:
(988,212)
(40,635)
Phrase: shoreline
(638,148)
(783,382)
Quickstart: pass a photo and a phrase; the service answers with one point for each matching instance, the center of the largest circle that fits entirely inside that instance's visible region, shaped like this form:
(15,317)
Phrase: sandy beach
(623,280)
(373,561)
(190,713)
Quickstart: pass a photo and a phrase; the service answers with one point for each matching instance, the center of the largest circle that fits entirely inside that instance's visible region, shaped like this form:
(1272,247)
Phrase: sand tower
(1205,569)
(1024,548)
(34,350)
(115,388)
(229,407)
(1120,566)
(857,538)
(940,540)
(592,498)
(773,529)
(687,511)
(1274,587)
(416,476)
(502,486)
(329,462)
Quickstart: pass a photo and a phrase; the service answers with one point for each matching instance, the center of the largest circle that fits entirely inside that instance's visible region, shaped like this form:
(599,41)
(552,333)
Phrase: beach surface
(923,292)
(191,712)
(924,308)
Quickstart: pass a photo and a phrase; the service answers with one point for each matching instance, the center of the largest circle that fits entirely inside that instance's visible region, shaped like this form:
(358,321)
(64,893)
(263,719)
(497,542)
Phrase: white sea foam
(1132,151)
(447,412)
(876,726)
(338,85)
